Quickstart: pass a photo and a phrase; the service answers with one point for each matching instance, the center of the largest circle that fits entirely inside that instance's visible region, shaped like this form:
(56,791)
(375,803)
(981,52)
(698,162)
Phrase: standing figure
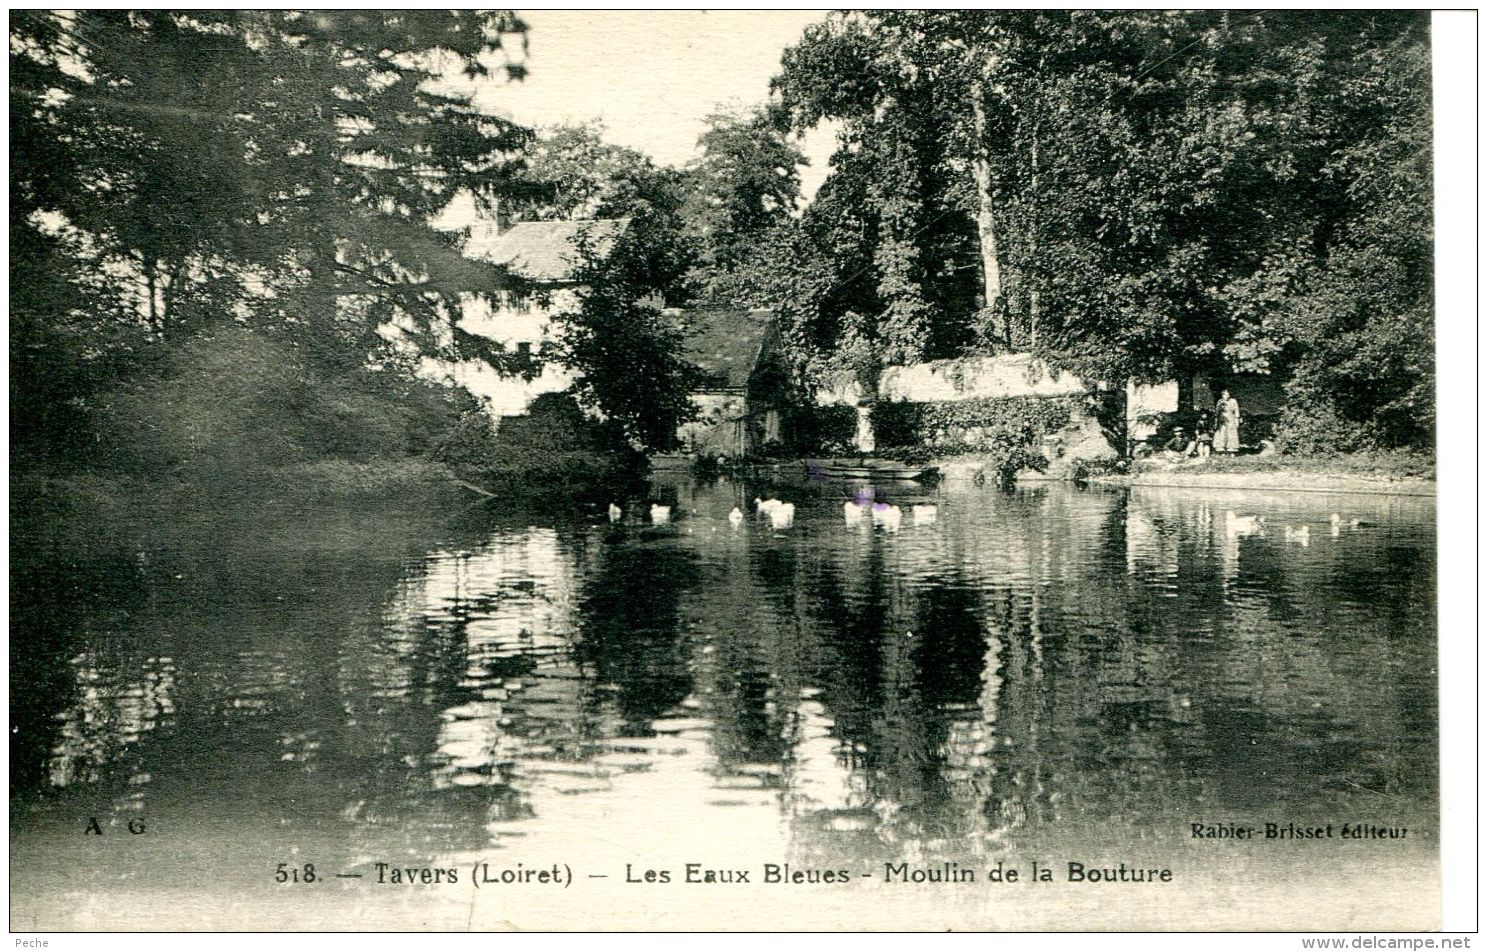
(1226,437)
(1204,437)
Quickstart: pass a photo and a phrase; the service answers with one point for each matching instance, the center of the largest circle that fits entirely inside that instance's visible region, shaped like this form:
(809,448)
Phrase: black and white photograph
(731,471)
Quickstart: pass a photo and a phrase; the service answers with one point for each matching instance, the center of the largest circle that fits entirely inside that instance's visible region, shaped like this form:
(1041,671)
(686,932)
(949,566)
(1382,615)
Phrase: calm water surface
(1049,675)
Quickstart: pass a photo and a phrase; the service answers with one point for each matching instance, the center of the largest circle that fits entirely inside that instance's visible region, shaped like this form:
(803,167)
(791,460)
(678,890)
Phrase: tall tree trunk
(991,270)
(1037,224)
(152,310)
(167,282)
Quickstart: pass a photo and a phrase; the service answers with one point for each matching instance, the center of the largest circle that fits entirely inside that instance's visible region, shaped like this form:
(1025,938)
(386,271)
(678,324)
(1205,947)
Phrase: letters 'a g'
(96,829)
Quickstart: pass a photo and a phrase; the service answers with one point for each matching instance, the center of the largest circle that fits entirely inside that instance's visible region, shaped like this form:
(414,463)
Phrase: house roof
(726,344)
(542,250)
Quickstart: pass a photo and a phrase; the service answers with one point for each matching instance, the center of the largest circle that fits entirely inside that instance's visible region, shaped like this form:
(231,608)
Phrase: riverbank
(1396,474)
(109,496)
(1379,473)
(1287,482)
(1402,474)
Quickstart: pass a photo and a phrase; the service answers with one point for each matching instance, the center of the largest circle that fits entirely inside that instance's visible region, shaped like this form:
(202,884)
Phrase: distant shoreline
(1278,480)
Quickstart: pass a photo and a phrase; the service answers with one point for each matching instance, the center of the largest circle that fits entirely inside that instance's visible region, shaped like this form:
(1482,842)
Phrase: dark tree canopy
(185,174)
(571,173)
(1135,193)
(1131,194)
(237,151)
(625,354)
(744,182)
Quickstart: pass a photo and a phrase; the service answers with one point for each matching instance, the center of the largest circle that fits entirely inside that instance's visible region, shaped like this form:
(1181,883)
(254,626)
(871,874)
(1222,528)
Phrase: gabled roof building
(543,252)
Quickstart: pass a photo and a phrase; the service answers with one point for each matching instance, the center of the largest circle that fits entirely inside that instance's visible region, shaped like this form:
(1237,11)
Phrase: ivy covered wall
(1009,429)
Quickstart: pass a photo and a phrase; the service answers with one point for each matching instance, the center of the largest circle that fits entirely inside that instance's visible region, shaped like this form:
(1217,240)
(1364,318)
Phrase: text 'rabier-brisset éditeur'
(482,873)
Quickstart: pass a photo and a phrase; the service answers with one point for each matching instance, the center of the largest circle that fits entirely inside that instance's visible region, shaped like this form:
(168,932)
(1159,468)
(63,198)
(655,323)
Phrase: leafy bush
(992,425)
(1087,468)
(908,454)
(232,405)
(245,415)
(1006,430)
(829,430)
(1369,384)
(1311,425)
(556,447)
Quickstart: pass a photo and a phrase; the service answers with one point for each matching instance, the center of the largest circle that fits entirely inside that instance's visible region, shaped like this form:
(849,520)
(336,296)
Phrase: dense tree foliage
(744,183)
(50,329)
(1137,193)
(1132,194)
(184,179)
(571,173)
(1349,314)
(625,353)
(305,152)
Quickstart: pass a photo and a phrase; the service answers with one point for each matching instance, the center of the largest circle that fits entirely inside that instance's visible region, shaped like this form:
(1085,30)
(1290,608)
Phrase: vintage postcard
(731,471)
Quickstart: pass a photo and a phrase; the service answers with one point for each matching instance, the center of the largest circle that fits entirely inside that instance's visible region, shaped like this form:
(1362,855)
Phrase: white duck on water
(660,514)
(615,512)
(887,516)
(768,507)
(1242,525)
(736,516)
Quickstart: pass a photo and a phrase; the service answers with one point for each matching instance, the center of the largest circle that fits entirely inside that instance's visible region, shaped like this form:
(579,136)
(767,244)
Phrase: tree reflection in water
(1031,666)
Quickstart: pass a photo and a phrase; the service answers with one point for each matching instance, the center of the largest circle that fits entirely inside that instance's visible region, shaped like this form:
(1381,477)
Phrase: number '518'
(295,874)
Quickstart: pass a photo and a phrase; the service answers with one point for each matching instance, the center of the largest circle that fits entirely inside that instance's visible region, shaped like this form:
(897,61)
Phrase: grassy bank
(241,420)
(1380,472)
(105,498)
(1376,465)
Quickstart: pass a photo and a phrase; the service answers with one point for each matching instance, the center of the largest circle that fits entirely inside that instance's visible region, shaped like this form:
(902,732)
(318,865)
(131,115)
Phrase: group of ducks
(1237,526)
(660,515)
(781,514)
(889,516)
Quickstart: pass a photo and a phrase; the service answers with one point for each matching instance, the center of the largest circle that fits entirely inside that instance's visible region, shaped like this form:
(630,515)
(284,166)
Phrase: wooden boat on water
(866,468)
